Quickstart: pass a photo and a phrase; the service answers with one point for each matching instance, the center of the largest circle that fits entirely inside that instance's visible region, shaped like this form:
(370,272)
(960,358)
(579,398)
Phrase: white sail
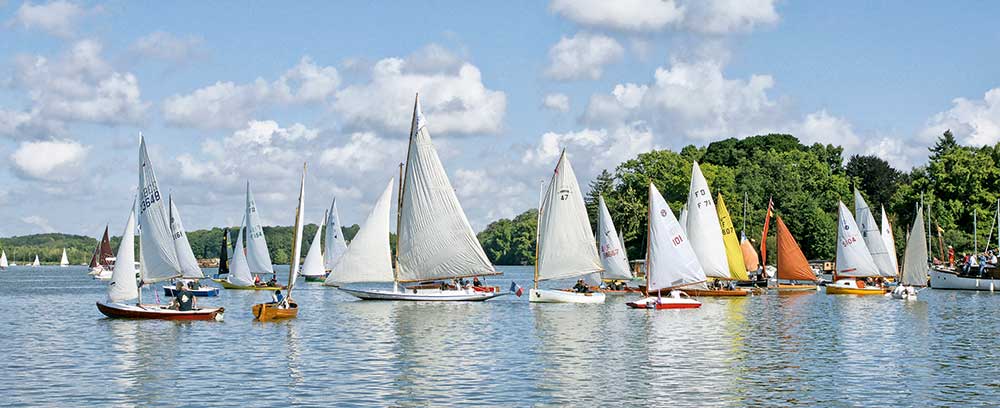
(872,236)
(185,257)
(853,257)
(157,252)
(239,271)
(671,261)
(368,258)
(313,265)
(889,240)
(566,246)
(64,261)
(293,269)
(915,254)
(36,263)
(683,217)
(703,227)
(3,259)
(335,245)
(123,284)
(258,257)
(435,239)
(612,250)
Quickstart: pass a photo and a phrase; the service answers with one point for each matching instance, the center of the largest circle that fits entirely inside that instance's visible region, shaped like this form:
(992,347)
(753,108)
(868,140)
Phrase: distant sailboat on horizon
(36,263)
(64,261)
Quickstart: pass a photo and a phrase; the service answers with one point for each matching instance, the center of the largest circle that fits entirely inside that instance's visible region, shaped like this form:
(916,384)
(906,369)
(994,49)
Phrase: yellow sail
(737,269)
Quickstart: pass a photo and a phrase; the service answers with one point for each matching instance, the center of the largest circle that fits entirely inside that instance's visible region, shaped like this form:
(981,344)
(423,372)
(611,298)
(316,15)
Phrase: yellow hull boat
(853,287)
(266,312)
(226,285)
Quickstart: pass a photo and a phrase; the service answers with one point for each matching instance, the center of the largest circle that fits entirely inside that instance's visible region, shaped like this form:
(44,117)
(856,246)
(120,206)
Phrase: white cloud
(556,101)
(55,17)
(625,15)
(51,161)
(973,122)
(600,148)
(583,56)
(821,127)
(364,152)
(727,16)
(41,222)
(454,100)
(230,105)
(169,47)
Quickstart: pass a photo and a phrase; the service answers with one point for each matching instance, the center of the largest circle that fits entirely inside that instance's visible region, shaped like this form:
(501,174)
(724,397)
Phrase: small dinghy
(676,300)
(205,291)
(185,256)
(914,261)
(854,261)
(286,308)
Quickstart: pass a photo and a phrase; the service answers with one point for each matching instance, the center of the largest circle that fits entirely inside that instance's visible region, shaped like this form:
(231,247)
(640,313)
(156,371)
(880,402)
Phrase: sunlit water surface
(802,348)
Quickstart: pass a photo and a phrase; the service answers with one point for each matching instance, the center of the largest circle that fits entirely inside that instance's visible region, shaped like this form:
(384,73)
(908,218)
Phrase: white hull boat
(431,295)
(563,296)
(943,279)
(904,293)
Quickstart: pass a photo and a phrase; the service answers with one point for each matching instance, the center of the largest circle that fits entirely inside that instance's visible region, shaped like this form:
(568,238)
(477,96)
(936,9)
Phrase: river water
(770,350)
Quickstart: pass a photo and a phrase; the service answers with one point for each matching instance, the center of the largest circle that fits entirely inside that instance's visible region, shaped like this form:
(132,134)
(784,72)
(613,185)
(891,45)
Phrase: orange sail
(792,264)
(763,235)
(749,255)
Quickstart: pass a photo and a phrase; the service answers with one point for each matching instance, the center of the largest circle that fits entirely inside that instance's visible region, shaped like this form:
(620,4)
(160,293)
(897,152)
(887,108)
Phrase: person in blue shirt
(277,297)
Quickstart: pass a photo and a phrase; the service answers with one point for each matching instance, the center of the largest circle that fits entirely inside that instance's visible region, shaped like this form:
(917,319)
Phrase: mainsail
(435,240)
(102,252)
(853,258)
(872,236)
(224,252)
(566,246)
(890,241)
(3,259)
(36,263)
(683,217)
(703,227)
(157,253)
(792,263)
(612,248)
(258,258)
(300,209)
(189,265)
(749,254)
(64,261)
(335,245)
(123,286)
(670,261)
(737,268)
(313,265)
(239,271)
(368,258)
(915,254)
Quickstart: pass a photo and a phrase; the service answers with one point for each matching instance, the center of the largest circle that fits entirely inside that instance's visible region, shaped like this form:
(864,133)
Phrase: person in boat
(993,258)
(476,283)
(273,282)
(966,263)
(277,297)
(951,256)
(444,285)
(194,285)
(184,300)
(581,287)
(256,280)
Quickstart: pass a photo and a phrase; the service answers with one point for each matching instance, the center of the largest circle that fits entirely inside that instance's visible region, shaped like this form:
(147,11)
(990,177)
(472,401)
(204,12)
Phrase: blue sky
(232,91)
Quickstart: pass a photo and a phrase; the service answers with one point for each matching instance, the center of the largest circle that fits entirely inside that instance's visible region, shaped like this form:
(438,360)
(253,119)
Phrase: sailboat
(224,256)
(103,258)
(671,262)
(312,268)
(255,258)
(368,258)
(854,261)
(944,277)
(706,235)
(872,236)
(287,308)
(564,242)
(734,253)
(793,268)
(185,256)
(612,250)
(434,239)
(335,245)
(158,255)
(36,263)
(914,261)
(64,261)
(890,241)
(3,259)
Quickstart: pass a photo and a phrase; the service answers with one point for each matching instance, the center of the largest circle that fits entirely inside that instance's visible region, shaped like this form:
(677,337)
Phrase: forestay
(157,252)
(915,254)
(335,245)
(258,258)
(703,227)
(853,257)
(435,239)
(890,241)
(368,258)
(671,261)
(188,263)
(123,286)
(734,254)
(612,248)
(566,246)
(313,265)
(239,271)
(872,236)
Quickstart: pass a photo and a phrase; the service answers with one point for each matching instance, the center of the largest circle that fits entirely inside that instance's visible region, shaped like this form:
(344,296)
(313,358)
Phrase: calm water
(794,349)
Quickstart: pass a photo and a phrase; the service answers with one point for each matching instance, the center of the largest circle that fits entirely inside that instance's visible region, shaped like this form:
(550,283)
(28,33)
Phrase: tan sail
(792,264)
(749,255)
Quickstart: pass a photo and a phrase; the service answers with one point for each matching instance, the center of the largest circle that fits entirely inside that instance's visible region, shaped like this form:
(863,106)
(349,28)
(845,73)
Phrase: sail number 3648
(148,199)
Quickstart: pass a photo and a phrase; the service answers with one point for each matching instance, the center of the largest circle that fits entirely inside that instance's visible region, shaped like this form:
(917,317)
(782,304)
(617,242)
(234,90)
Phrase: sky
(231,92)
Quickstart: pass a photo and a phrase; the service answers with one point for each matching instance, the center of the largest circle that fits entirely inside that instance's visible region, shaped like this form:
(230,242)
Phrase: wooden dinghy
(228,285)
(139,311)
(670,302)
(267,312)
(854,260)
(287,308)
(717,292)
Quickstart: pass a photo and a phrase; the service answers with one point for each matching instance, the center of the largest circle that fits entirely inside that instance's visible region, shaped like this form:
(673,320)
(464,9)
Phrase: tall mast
(975,233)
(538,221)
(746,202)
(402,189)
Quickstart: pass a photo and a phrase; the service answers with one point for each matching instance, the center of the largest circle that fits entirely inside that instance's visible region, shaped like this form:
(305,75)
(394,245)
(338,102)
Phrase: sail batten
(566,246)
(670,261)
(157,253)
(703,227)
(853,257)
(915,254)
(368,258)
(435,239)
(612,245)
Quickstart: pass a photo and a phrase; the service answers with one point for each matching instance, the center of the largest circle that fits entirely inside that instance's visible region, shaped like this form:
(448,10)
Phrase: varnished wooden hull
(266,312)
(119,310)
(717,293)
(789,287)
(226,285)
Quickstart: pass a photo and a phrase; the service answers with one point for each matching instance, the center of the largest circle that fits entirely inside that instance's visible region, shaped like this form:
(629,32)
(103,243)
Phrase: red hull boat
(120,310)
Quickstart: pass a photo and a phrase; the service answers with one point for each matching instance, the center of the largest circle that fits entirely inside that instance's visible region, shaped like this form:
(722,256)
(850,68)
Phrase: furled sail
(368,258)
(313,265)
(612,250)
(335,245)
(157,252)
(671,261)
(853,258)
(734,254)
(792,263)
(239,271)
(915,254)
(123,285)
(258,258)
(872,236)
(566,246)
(189,265)
(890,241)
(703,227)
(435,239)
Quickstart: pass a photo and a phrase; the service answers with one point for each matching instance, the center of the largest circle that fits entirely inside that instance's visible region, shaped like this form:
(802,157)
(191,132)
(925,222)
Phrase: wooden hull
(790,287)
(120,310)
(226,285)
(654,303)
(206,291)
(424,295)
(267,312)
(619,292)
(717,293)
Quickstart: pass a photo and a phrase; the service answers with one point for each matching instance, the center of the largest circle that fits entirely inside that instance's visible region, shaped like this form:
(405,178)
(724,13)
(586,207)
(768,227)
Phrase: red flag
(763,236)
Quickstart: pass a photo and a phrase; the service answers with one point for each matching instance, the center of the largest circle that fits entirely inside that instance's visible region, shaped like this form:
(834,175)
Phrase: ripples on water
(801,348)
